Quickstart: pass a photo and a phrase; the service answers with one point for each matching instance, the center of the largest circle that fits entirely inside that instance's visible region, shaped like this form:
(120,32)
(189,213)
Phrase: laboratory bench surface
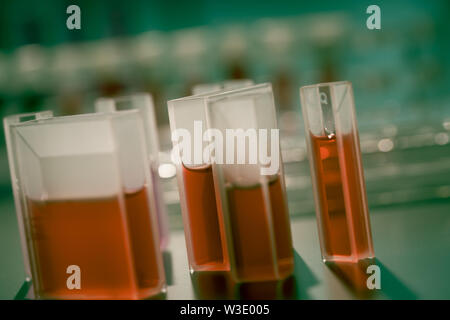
(412,247)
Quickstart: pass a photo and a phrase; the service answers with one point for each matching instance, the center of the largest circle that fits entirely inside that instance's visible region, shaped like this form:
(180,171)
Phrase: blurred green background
(401,78)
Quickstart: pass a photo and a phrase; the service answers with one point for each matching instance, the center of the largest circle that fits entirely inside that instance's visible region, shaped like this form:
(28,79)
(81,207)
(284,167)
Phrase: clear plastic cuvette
(84,196)
(203,226)
(337,172)
(249,183)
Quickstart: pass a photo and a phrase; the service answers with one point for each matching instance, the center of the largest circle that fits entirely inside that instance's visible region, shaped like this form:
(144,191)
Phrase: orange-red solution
(346,233)
(145,251)
(114,249)
(251,235)
(206,228)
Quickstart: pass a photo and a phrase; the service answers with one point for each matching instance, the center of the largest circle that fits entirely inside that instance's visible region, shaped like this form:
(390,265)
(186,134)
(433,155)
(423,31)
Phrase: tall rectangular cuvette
(337,172)
(249,183)
(203,226)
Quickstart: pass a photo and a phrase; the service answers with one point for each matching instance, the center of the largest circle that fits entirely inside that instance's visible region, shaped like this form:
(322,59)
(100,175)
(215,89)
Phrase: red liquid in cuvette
(95,235)
(205,226)
(251,234)
(343,227)
(145,251)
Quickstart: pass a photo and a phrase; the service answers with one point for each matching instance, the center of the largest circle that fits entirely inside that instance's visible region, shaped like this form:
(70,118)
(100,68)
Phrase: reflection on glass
(220,285)
(355,276)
